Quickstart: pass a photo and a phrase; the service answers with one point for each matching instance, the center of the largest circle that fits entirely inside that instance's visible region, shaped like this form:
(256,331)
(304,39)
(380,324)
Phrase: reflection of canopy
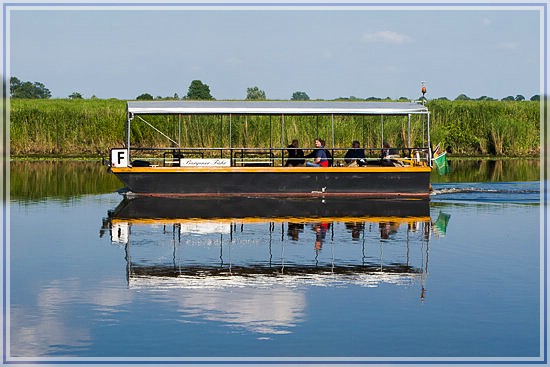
(269,282)
(288,269)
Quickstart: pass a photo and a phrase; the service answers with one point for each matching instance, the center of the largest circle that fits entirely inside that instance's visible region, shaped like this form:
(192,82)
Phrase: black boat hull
(380,182)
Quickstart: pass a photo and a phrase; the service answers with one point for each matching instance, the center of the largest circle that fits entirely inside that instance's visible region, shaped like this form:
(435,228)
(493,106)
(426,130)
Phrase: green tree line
(200,91)
(80,127)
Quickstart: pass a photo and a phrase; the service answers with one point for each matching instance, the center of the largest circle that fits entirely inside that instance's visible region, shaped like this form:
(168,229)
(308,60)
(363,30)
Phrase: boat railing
(253,157)
(265,157)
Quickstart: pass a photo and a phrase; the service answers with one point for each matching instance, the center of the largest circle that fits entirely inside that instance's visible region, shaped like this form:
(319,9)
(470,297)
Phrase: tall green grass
(65,127)
(487,127)
(92,127)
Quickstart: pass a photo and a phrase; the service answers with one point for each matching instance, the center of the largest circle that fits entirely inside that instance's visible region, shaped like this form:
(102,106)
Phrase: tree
(255,93)
(485,98)
(19,89)
(519,97)
(75,95)
(299,96)
(15,84)
(536,97)
(462,97)
(508,99)
(144,97)
(199,90)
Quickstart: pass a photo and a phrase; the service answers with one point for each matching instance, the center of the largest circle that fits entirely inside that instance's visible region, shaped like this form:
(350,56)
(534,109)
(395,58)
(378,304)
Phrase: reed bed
(65,127)
(92,127)
(487,127)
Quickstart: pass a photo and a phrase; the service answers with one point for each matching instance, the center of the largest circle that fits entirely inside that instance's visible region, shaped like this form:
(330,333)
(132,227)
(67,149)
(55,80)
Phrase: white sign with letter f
(119,158)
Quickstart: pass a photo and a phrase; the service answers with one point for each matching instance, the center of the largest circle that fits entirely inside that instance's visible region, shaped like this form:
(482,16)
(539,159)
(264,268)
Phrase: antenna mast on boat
(423,93)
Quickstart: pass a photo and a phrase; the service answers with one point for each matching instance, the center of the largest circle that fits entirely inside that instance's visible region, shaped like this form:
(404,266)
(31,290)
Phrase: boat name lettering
(205,162)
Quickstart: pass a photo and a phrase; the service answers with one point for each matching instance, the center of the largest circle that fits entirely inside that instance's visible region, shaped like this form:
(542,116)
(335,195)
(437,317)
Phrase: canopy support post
(179,130)
(221,133)
(282,130)
(332,117)
(230,133)
(409,131)
(382,130)
(429,142)
(363,131)
(128,123)
(270,133)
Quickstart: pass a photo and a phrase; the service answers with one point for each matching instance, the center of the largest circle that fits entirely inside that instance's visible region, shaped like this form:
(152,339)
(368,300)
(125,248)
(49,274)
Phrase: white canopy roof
(274,108)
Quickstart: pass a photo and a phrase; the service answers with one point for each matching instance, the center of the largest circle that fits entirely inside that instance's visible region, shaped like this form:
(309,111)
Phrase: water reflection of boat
(238,207)
(224,242)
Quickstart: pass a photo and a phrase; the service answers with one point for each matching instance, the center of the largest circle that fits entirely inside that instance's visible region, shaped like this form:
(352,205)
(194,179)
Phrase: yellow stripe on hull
(269,169)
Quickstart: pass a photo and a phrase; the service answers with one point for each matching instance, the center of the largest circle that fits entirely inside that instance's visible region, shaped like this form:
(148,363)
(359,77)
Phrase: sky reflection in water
(463,282)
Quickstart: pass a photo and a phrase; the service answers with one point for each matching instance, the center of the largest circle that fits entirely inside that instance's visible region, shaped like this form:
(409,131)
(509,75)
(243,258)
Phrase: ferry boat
(237,170)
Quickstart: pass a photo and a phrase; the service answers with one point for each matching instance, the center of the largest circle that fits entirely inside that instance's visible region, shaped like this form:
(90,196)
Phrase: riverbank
(89,128)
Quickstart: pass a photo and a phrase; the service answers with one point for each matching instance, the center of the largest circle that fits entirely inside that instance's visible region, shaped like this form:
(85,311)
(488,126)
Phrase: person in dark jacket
(295,155)
(355,156)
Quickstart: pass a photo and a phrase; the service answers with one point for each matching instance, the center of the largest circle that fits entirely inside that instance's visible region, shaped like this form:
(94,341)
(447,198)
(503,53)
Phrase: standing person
(319,155)
(355,156)
(295,155)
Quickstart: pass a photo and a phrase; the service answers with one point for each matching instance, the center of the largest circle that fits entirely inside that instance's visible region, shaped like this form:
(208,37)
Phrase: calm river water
(91,277)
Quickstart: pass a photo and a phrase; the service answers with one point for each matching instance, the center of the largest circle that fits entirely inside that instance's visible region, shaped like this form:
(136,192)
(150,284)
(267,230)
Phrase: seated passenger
(319,155)
(387,154)
(295,155)
(355,156)
(327,152)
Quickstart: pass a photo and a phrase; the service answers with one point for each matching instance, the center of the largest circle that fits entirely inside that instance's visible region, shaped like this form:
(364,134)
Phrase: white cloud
(233,61)
(511,46)
(486,21)
(327,54)
(387,37)
(49,326)
(274,310)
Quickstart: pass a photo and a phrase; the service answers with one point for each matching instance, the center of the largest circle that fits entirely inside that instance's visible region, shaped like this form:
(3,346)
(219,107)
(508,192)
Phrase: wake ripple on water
(510,192)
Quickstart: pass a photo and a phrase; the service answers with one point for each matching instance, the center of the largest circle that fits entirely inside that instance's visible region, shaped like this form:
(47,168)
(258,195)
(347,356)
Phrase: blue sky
(340,52)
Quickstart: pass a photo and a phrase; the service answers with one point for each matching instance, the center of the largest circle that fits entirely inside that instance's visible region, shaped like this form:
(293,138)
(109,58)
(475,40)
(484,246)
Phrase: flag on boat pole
(441,164)
(440,161)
